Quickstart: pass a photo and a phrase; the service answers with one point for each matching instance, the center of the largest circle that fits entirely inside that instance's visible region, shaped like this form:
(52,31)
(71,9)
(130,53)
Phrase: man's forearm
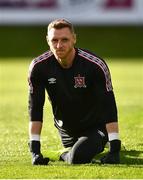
(112,130)
(35,128)
(112,127)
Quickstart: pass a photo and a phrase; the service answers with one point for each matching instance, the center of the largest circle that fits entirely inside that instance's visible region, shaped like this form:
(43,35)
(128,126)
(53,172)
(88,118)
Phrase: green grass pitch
(15,159)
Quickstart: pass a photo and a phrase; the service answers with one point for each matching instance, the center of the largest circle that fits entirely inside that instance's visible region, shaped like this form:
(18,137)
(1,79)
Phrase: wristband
(34,137)
(113,136)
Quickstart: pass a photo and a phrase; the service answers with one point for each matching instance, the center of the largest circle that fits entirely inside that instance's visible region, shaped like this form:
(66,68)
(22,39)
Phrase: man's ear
(74,38)
(47,39)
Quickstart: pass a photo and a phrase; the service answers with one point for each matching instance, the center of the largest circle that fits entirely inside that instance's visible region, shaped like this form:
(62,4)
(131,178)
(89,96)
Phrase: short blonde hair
(59,24)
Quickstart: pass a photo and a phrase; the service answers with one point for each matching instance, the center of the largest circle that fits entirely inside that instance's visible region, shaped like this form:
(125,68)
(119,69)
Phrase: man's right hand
(38,159)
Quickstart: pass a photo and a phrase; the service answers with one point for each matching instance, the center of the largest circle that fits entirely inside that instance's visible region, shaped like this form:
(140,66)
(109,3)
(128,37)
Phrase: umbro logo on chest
(52,80)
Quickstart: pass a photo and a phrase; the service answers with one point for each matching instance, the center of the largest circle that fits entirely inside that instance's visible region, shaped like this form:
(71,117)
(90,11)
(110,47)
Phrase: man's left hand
(113,156)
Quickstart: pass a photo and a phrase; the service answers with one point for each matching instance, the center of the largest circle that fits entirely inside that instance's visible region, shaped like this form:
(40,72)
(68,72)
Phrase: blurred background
(111,28)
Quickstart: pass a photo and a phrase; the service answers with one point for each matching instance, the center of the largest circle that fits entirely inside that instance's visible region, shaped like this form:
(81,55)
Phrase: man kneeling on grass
(80,90)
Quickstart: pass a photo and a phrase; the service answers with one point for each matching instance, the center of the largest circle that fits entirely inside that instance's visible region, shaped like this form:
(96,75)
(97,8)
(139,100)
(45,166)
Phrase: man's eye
(65,40)
(54,40)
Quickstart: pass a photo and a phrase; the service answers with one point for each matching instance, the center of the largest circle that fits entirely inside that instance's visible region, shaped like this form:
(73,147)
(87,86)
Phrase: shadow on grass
(132,157)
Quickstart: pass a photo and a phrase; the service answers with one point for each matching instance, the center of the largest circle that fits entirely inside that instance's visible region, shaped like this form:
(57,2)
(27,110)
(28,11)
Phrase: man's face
(61,42)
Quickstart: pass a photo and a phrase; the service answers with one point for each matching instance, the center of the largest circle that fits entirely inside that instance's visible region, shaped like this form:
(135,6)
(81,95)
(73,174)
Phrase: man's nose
(59,44)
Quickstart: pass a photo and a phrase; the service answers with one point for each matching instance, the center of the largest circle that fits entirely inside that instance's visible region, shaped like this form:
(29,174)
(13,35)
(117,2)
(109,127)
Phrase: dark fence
(112,41)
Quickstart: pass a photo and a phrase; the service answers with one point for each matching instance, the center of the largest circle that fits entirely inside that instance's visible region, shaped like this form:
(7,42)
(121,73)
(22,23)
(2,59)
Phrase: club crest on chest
(79,81)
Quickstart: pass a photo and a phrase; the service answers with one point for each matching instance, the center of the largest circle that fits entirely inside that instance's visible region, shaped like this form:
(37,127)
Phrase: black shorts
(85,146)
(69,140)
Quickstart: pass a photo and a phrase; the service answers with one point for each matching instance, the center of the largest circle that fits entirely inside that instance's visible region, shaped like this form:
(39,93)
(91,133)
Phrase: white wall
(77,11)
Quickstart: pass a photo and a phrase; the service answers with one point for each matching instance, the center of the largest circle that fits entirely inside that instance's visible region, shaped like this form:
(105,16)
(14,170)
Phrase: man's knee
(84,154)
(79,160)
(73,157)
(80,156)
